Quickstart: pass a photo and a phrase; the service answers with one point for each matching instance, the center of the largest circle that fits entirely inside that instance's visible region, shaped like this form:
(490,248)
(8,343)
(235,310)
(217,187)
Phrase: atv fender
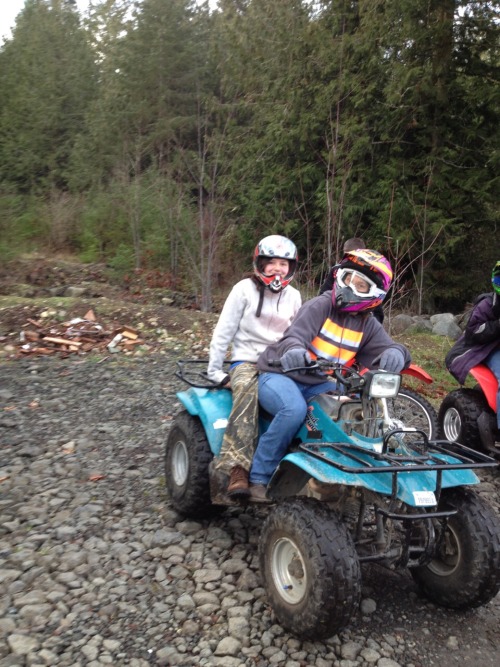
(297,467)
(213,409)
(488,383)
(417,372)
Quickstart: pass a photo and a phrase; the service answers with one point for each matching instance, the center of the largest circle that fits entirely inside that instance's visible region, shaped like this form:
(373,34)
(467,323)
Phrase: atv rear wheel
(187,457)
(310,568)
(465,571)
(413,410)
(458,417)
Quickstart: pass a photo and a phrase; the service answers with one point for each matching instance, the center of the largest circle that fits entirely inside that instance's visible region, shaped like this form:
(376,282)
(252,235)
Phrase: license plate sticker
(424,498)
(220,423)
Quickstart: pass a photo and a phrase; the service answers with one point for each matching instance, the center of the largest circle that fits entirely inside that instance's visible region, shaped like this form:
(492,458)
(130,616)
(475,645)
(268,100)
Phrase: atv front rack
(428,459)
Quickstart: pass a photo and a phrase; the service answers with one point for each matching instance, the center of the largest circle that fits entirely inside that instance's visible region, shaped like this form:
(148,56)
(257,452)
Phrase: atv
(469,415)
(355,487)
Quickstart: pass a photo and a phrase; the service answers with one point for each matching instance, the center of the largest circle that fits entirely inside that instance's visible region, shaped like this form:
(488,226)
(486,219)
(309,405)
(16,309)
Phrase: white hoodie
(249,334)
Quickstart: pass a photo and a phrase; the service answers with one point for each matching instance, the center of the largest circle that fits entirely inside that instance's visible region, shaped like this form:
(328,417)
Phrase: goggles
(360,284)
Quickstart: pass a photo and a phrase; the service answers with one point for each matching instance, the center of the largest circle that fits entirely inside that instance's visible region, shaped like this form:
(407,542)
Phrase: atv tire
(187,457)
(310,568)
(465,572)
(413,410)
(458,417)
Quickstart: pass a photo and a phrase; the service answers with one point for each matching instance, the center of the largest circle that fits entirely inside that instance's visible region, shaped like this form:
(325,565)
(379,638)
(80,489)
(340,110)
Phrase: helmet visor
(360,284)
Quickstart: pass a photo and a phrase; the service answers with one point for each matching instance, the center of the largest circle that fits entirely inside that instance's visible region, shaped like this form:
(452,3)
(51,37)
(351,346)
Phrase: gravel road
(97,569)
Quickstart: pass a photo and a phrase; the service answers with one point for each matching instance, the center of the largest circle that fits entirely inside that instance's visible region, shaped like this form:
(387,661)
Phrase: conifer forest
(172,135)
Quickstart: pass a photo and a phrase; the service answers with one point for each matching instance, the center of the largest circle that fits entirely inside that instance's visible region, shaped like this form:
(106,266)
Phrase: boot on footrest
(238,483)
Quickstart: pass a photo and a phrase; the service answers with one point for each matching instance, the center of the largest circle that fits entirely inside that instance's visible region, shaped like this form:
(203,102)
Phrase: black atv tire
(414,411)
(310,568)
(187,457)
(458,417)
(465,573)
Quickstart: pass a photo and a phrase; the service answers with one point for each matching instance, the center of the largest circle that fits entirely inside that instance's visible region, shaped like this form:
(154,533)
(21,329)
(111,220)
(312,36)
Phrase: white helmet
(268,248)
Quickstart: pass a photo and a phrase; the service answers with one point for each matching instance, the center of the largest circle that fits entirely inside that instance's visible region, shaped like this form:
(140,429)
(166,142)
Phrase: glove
(391,360)
(297,357)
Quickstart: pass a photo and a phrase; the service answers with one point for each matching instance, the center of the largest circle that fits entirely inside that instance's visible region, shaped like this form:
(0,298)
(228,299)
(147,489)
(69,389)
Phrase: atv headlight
(383,385)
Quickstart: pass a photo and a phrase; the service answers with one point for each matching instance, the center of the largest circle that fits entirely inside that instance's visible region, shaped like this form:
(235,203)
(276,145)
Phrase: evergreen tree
(48,79)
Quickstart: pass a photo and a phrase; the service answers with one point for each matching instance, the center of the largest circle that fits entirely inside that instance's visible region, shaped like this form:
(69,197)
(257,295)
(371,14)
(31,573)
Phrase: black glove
(295,358)
(391,360)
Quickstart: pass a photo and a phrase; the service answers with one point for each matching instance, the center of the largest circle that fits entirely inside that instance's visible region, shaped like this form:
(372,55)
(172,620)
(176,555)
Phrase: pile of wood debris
(78,336)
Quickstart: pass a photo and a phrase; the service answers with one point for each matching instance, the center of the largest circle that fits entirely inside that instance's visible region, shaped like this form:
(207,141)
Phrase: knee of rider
(295,413)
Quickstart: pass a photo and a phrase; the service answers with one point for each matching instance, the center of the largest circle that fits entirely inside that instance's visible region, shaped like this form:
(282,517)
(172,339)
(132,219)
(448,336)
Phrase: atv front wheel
(187,457)
(310,568)
(458,417)
(413,410)
(465,571)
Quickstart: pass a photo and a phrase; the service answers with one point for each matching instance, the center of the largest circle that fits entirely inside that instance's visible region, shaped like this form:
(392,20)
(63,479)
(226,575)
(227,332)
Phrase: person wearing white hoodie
(256,313)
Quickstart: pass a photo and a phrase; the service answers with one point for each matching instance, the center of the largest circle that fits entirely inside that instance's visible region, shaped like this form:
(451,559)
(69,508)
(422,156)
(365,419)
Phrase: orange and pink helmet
(373,268)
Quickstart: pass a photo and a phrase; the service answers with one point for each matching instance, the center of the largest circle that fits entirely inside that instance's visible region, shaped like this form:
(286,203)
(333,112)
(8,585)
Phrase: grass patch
(429,351)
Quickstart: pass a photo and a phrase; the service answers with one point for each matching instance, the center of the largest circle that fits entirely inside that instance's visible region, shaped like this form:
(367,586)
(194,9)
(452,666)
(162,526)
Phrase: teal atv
(356,486)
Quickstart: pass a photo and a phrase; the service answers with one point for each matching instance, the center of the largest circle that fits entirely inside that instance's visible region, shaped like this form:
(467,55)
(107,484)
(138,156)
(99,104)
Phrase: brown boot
(238,483)
(258,493)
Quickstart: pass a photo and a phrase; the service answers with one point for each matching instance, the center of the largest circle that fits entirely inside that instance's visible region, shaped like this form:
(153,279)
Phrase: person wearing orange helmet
(256,313)
(338,326)
(356,243)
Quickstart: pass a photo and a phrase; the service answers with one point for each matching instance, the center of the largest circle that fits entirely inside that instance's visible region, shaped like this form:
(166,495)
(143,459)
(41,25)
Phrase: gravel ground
(97,569)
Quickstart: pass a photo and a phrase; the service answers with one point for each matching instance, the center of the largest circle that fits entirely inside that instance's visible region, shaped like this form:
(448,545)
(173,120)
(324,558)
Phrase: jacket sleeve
(225,329)
(483,327)
(375,341)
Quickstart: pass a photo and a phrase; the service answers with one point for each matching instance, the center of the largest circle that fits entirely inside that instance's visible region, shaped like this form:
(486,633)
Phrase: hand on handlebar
(298,357)
(391,360)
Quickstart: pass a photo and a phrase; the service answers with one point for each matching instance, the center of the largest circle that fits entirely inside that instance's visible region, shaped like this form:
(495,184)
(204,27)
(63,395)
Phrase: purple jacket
(481,336)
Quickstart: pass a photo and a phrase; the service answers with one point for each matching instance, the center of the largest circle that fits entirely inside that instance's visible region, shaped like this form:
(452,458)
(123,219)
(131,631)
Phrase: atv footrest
(414,517)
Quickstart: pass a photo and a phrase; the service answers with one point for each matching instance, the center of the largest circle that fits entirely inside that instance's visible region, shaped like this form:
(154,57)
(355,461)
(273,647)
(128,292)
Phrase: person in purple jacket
(480,342)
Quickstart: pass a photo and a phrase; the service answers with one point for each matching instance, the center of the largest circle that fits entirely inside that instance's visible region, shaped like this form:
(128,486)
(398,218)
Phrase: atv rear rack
(193,373)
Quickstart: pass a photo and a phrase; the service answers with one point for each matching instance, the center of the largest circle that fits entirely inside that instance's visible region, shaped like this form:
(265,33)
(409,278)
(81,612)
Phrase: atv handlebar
(347,376)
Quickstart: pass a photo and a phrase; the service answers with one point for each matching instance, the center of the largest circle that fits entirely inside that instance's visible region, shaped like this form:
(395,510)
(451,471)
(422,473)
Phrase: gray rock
(74,291)
(228,646)
(447,328)
(400,323)
(22,644)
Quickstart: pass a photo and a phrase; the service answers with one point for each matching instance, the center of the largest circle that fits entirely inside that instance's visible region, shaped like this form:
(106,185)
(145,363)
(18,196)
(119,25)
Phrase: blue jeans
(493,363)
(287,401)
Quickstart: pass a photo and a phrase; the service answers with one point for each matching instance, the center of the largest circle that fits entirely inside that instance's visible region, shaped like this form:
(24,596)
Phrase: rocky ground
(97,568)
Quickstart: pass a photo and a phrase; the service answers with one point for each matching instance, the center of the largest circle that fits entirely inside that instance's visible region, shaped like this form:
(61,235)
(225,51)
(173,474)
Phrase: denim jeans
(287,401)
(493,363)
